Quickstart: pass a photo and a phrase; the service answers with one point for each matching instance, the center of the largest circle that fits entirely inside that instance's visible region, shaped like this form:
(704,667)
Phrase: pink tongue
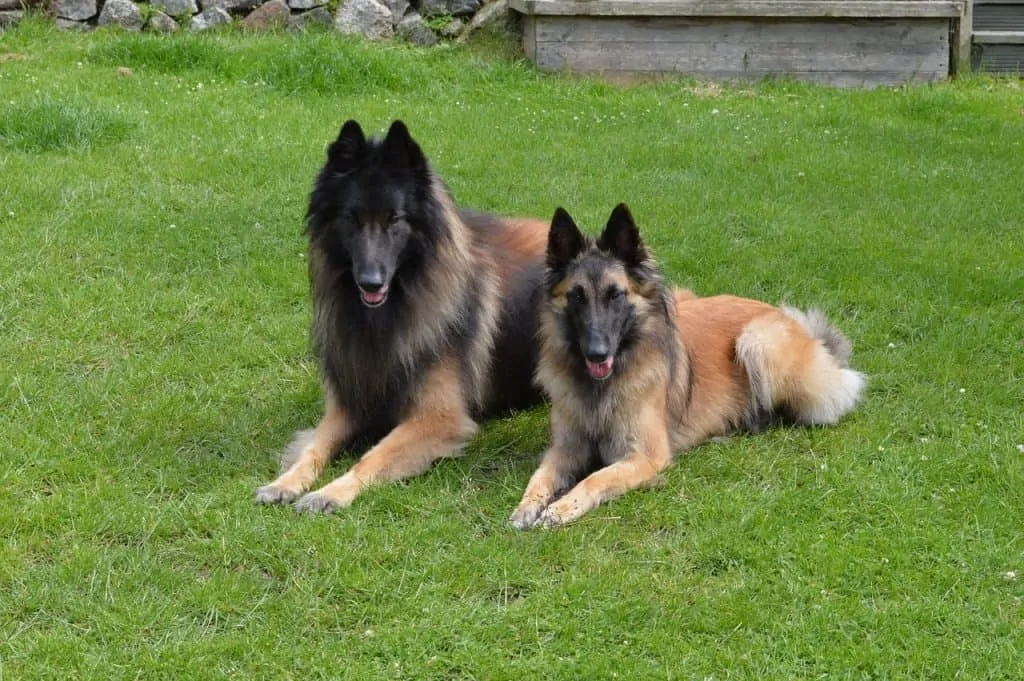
(600,369)
(375,297)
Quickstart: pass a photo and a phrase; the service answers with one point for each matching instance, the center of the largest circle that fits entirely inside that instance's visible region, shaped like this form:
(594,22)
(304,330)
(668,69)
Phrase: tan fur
(439,426)
(733,354)
(520,245)
(681,295)
(560,290)
(641,290)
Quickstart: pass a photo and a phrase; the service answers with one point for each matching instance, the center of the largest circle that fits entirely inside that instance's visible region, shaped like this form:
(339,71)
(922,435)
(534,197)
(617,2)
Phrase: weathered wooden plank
(877,35)
(706,46)
(962,28)
(999,37)
(530,37)
(761,59)
(842,79)
(743,8)
(698,56)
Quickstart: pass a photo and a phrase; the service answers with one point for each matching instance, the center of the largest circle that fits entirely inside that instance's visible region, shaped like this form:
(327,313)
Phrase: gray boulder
(269,15)
(463,8)
(319,15)
(491,12)
(413,29)
(10,18)
(230,5)
(367,18)
(161,23)
(68,25)
(176,8)
(398,9)
(76,10)
(209,18)
(121,13)
(306,4)
(453,28)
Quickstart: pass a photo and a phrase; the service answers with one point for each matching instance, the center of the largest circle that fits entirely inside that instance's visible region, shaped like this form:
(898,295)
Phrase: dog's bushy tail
(816,324)
(810,377)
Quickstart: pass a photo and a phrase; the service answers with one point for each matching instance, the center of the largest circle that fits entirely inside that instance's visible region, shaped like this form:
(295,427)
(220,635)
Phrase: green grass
(153,335)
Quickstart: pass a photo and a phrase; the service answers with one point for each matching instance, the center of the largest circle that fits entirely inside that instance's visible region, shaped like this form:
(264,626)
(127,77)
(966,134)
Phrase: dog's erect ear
(348,151)
(565,241)
(621,237)
(400,151)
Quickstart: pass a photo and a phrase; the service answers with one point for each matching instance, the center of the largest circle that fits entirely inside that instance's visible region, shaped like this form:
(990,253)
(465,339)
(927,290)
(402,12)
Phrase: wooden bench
(857,43)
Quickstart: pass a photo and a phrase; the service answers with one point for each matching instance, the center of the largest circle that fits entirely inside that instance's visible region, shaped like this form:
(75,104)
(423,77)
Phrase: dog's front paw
(526,515)
(315,503)
(275,494)
(562,512)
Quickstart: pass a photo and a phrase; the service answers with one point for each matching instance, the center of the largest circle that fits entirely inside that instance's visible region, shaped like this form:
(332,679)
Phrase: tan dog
(637,372)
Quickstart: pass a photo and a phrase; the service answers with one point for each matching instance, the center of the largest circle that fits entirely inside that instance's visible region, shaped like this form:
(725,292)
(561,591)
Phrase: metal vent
(1008,59)
(998,17)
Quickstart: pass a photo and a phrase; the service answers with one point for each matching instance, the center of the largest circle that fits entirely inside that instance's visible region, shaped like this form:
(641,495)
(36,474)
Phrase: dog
(423,318)
(637,372)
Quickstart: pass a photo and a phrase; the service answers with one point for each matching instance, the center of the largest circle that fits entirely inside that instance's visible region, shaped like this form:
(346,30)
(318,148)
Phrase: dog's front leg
(313,450)
(560,467)
(438,426)
(638,468)
(545,482)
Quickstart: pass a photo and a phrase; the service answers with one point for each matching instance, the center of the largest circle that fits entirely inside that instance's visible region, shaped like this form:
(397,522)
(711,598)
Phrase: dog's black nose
(371,282)
(596,347)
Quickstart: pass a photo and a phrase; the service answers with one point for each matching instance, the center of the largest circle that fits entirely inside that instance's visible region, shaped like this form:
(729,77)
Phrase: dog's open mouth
(600,370)
(374,298)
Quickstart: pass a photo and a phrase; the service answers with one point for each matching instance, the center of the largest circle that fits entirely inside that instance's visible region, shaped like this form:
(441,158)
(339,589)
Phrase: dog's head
(600,290)
(370,206)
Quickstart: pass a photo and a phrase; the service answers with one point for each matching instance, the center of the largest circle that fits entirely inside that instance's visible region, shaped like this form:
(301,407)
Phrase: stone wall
(421,22)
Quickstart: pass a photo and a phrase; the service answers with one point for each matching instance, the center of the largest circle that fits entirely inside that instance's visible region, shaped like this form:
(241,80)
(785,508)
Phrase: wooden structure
(844,43)
(997,35)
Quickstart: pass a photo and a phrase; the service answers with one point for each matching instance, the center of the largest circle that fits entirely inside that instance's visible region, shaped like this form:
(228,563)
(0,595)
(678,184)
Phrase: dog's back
(750,362)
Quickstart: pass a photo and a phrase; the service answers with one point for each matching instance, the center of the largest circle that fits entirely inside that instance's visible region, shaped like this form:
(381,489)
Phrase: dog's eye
(615,293)
(577,295)
(393,218)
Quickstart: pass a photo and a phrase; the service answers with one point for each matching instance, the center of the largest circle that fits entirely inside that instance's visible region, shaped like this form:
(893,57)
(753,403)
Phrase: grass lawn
(153,336)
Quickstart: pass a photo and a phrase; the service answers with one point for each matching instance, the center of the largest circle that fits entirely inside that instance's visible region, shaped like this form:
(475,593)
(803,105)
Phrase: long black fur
(359,347)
